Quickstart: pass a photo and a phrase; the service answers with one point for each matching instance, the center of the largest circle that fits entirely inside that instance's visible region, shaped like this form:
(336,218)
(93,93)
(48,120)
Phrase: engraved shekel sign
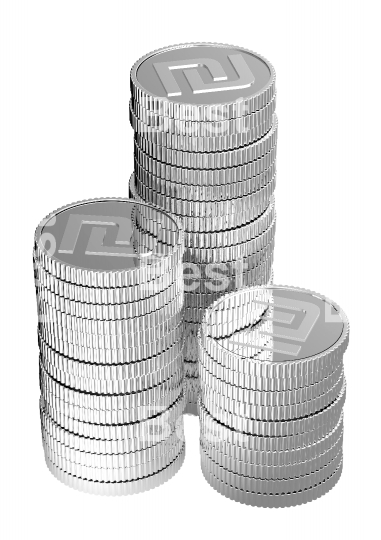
(95,246)
(105,235)
(245,78)
(288,323)
(202,74)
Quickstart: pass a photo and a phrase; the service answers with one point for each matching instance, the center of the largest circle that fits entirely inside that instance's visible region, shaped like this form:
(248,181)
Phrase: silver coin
(142,347)
(51,318)
(58,407)
(188,128)
(53,333)
(130,373)
(215,401)
(308,386)
(117,488)
(269,398)
(115,475)
(154,86)
(104,402)
(113,385)
(195,192)
(110,312)
(106,296)
(325,323)
(271,472)
(275,458)
(63,441)
(272,487)
(273,501)
(140,435)
(192,143)
(132,467)
(103,257)
(214,160)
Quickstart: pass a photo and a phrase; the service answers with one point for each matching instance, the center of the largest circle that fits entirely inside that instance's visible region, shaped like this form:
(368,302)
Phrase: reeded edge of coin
(120,488)
(199,128)
(229,109)
(273,501)
(232,450)
(112,278)
(212,224)
(289,369)
(192,143)
(278,428)
(135,431)
(208,209)
(212,160)
(204,193)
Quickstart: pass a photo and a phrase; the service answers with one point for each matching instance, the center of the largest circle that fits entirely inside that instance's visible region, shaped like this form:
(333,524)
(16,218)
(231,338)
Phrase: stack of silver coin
(272,395)
(205,150)
(110,303)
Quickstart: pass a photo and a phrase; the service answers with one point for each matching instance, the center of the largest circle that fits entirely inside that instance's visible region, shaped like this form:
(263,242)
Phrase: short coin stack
(110,302)
(272,395)
(205,150)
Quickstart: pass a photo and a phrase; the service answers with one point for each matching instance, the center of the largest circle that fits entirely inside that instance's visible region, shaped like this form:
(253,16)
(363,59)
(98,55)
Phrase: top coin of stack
(272,395)
(110,302)
(205,150)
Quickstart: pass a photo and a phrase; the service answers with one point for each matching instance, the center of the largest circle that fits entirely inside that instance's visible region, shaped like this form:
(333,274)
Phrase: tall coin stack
(272,395)
(205,149)
(110,303)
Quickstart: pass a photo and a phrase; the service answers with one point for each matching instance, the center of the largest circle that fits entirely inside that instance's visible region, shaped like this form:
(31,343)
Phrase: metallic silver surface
(84,259)
(213,224)
(110,312)
(149,81)
(271,486)
(108,277)
(272,501)
(192,143)
(86,451)
(216,401)
(137,347)
(189,128)
(131,375)
(272,421)
(109,487)
(52,318)
(276,458)
(135,436)
(272,391)
(236,173)
(214,160)
(209,209)
(273,442)
(107,296)
(111,467)
(104,402)
(53,333)
(143,316)
(73,376)
(200,193)
(273,398)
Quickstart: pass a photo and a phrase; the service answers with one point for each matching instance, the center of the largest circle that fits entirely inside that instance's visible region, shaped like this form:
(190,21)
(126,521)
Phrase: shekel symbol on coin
(220,80)
(290,323)
(95,245)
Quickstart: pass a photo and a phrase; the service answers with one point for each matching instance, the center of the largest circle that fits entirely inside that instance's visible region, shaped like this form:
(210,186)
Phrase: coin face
(106,235)
(203,74)
(280,324)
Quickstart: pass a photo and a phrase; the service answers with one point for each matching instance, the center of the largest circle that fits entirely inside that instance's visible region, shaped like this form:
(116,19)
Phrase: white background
(65,136)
